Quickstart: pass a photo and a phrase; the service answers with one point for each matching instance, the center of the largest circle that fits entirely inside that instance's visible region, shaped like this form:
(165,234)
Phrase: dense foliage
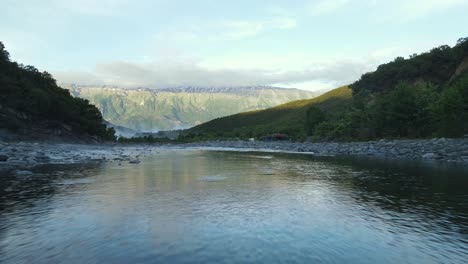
(38,100)
(423,96)
(436,66)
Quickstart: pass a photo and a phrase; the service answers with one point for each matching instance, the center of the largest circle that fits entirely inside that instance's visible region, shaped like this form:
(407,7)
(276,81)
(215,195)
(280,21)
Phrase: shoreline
(22,157)
(438,149)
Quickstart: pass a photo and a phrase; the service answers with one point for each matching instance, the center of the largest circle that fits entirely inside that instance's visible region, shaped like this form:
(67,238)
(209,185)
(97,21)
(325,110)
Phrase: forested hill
(439,66)
(287,118)
(33,106)
(425,95)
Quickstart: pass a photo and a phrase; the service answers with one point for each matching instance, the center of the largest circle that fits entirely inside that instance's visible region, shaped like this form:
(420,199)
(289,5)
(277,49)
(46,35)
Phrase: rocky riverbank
(439,149)
(19,158)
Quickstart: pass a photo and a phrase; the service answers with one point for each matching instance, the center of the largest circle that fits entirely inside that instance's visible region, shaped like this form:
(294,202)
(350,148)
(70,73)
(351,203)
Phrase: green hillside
(31,103)
(287,118)
(422,96)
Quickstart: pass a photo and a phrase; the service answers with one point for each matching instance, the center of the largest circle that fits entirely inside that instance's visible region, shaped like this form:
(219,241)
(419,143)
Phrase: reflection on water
(219,207)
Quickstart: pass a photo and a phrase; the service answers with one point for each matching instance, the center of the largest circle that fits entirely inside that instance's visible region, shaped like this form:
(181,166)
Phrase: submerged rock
(23,172)
(42,158)
(134,162)
(4,157)
(431,156)
(212,178)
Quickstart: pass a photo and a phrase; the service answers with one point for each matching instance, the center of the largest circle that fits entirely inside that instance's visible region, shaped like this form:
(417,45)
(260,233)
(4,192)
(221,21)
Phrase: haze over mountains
(151,110)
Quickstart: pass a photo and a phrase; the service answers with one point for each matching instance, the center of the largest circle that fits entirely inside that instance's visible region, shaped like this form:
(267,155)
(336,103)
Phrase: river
(202,206)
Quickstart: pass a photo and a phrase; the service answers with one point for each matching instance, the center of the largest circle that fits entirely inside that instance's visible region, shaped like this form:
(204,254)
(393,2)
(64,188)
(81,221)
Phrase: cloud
(78,77)
(323,7)
(412,9)
(243,29)
(384,11)
(224,30)
(409,10)
(192,73)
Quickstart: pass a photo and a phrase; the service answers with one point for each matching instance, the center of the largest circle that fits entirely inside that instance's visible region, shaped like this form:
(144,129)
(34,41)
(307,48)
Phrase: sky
(307,44)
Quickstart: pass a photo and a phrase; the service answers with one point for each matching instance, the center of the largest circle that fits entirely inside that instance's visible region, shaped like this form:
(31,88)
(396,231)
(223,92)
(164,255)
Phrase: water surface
(196,206)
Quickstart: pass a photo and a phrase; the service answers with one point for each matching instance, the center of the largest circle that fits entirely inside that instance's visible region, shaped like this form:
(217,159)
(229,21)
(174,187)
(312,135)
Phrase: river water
(200,206)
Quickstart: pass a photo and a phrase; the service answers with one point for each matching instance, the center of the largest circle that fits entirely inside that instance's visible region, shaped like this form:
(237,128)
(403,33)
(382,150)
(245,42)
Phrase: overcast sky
(309,44)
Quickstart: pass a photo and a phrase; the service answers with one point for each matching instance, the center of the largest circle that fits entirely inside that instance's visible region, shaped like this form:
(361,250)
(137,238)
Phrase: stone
(430,156)
(23,172)
(42,158)
(4,158)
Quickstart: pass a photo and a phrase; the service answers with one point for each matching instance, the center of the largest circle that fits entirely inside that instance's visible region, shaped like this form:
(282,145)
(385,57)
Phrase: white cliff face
(145,109)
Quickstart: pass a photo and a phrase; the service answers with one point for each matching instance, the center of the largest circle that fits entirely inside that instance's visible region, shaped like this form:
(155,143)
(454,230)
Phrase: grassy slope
(285,118)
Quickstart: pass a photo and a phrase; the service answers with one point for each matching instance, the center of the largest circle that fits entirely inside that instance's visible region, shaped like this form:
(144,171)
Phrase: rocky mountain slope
(144,109)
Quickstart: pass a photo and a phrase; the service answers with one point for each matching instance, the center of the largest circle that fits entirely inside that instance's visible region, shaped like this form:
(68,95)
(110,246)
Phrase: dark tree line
(24,89)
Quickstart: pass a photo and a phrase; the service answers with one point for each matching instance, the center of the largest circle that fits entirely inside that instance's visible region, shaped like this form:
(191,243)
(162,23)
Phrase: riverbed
(195,205)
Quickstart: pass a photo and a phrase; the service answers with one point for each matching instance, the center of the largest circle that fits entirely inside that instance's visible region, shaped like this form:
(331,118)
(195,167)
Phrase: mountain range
(151,110)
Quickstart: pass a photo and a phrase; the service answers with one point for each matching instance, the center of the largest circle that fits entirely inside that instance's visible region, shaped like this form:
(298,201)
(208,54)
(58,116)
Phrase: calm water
(194,206)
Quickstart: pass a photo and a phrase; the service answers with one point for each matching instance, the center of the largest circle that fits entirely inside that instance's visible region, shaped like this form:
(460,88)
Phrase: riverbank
(20,157)
(439,149)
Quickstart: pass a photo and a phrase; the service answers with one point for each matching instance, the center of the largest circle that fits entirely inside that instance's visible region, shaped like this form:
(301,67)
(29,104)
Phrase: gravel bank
(24,156)
(20,157)
(439,149)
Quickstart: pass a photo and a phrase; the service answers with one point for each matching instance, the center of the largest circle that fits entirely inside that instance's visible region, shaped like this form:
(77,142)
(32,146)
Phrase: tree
(37,96)
(4,55)
(314,117)
(462,41)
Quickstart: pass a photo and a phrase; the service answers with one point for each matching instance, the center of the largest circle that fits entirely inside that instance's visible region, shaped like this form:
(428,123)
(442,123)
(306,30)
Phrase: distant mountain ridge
(184,89)
(149,110)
